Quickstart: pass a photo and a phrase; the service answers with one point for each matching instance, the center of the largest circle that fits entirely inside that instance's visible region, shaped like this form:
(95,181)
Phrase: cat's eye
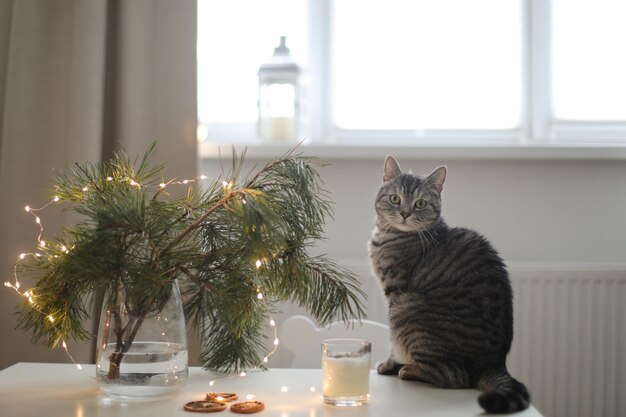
(420,204)
(394,198)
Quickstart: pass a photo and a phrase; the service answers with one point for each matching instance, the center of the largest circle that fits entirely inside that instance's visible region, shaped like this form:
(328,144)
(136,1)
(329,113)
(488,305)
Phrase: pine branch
(210,240)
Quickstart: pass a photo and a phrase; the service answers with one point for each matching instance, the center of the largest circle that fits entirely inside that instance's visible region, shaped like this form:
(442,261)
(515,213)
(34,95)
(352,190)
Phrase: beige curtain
(78,79)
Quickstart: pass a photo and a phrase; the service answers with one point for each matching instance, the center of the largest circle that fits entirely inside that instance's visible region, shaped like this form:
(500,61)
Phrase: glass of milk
(346,369)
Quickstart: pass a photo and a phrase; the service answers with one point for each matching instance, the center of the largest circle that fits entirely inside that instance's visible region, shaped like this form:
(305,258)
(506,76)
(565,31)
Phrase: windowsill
(511,151)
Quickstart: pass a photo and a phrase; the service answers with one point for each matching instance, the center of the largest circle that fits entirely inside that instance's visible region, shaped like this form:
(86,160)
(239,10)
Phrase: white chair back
(302,339)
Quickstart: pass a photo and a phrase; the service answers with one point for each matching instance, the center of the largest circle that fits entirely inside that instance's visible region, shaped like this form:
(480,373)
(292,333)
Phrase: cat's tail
(502,392)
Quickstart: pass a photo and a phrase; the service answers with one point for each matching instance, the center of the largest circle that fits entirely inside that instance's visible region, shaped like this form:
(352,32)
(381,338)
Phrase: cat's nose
(404,214)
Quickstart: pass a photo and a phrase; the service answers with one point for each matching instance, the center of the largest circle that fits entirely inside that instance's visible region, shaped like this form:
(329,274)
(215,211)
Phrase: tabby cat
(448,291)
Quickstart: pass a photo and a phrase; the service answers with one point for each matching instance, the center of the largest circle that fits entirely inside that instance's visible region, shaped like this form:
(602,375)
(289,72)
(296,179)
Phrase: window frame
(538,129)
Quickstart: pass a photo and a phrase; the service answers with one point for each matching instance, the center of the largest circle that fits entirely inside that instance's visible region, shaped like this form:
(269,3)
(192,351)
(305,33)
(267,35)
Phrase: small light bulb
(284,389)
(133,182)
(85,189)
(37,220)
(259,296)
(22,255)
(109,178)
(63,248)
(249,397)
(276,342)
(265,359)
(258,263)
(7,284)
(272,323)
(185,181)
(312,389)
(211,383)
(42,243)
(224,184)
(51,319)
(242,374)
(64,345)
(56,198)
(79,366)
(27,208)
(162,185)
(203,177)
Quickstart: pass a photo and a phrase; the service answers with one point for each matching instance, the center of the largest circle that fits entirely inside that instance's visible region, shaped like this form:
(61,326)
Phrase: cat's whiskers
(387,225)
(384,227)
(422,244)
(430,234)
(428,239)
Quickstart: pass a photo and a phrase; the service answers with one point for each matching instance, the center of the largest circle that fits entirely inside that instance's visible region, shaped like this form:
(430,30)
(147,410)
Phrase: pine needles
(224,244)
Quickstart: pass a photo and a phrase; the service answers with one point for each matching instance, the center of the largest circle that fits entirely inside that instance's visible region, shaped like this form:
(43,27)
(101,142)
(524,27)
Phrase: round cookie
(247,407)
(204,406)
(221,397)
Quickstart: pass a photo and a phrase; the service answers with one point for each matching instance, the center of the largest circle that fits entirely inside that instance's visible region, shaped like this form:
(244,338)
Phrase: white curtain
(79,79)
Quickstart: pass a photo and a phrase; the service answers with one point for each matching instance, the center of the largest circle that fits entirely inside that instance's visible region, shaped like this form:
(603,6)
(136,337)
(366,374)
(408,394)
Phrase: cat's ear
(392,168)
(438,177)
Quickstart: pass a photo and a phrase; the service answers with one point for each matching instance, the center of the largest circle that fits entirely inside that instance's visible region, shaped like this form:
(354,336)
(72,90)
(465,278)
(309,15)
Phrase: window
(589,67)
(421,71)
(445,64)
(234,38)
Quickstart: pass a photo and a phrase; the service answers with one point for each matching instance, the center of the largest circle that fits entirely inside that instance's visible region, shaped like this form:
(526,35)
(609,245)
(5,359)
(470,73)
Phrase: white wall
(537,211)
(555,211)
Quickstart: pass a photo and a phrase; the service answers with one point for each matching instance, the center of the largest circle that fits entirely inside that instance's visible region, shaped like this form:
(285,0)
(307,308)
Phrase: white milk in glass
(345,366)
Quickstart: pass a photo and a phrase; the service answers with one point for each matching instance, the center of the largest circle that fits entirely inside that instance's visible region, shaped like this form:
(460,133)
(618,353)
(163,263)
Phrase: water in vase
(149,369)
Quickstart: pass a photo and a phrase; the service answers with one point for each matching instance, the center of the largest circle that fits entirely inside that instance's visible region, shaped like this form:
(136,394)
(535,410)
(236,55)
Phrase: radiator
(569,343)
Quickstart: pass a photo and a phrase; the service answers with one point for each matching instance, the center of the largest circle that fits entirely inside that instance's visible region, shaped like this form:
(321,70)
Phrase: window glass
(424,64)
(234,38)
(589,59)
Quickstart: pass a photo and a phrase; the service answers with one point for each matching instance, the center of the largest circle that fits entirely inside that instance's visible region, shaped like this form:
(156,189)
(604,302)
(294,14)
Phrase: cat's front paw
(409,373)
(388,367)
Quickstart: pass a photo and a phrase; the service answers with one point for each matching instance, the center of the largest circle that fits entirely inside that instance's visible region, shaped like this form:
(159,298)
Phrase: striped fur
(449,295)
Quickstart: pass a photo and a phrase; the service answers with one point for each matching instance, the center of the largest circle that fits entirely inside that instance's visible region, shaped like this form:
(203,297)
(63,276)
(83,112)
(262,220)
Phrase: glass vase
(142,343)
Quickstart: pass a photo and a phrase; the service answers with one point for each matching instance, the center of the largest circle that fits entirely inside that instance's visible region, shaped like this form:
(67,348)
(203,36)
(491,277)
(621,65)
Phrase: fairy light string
(41,243)
(28,294)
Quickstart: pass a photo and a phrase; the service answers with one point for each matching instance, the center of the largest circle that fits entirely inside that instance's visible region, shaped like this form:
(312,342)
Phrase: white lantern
(278,96)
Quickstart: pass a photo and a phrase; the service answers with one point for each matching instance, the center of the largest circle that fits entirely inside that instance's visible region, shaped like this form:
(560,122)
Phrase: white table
(61,390)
